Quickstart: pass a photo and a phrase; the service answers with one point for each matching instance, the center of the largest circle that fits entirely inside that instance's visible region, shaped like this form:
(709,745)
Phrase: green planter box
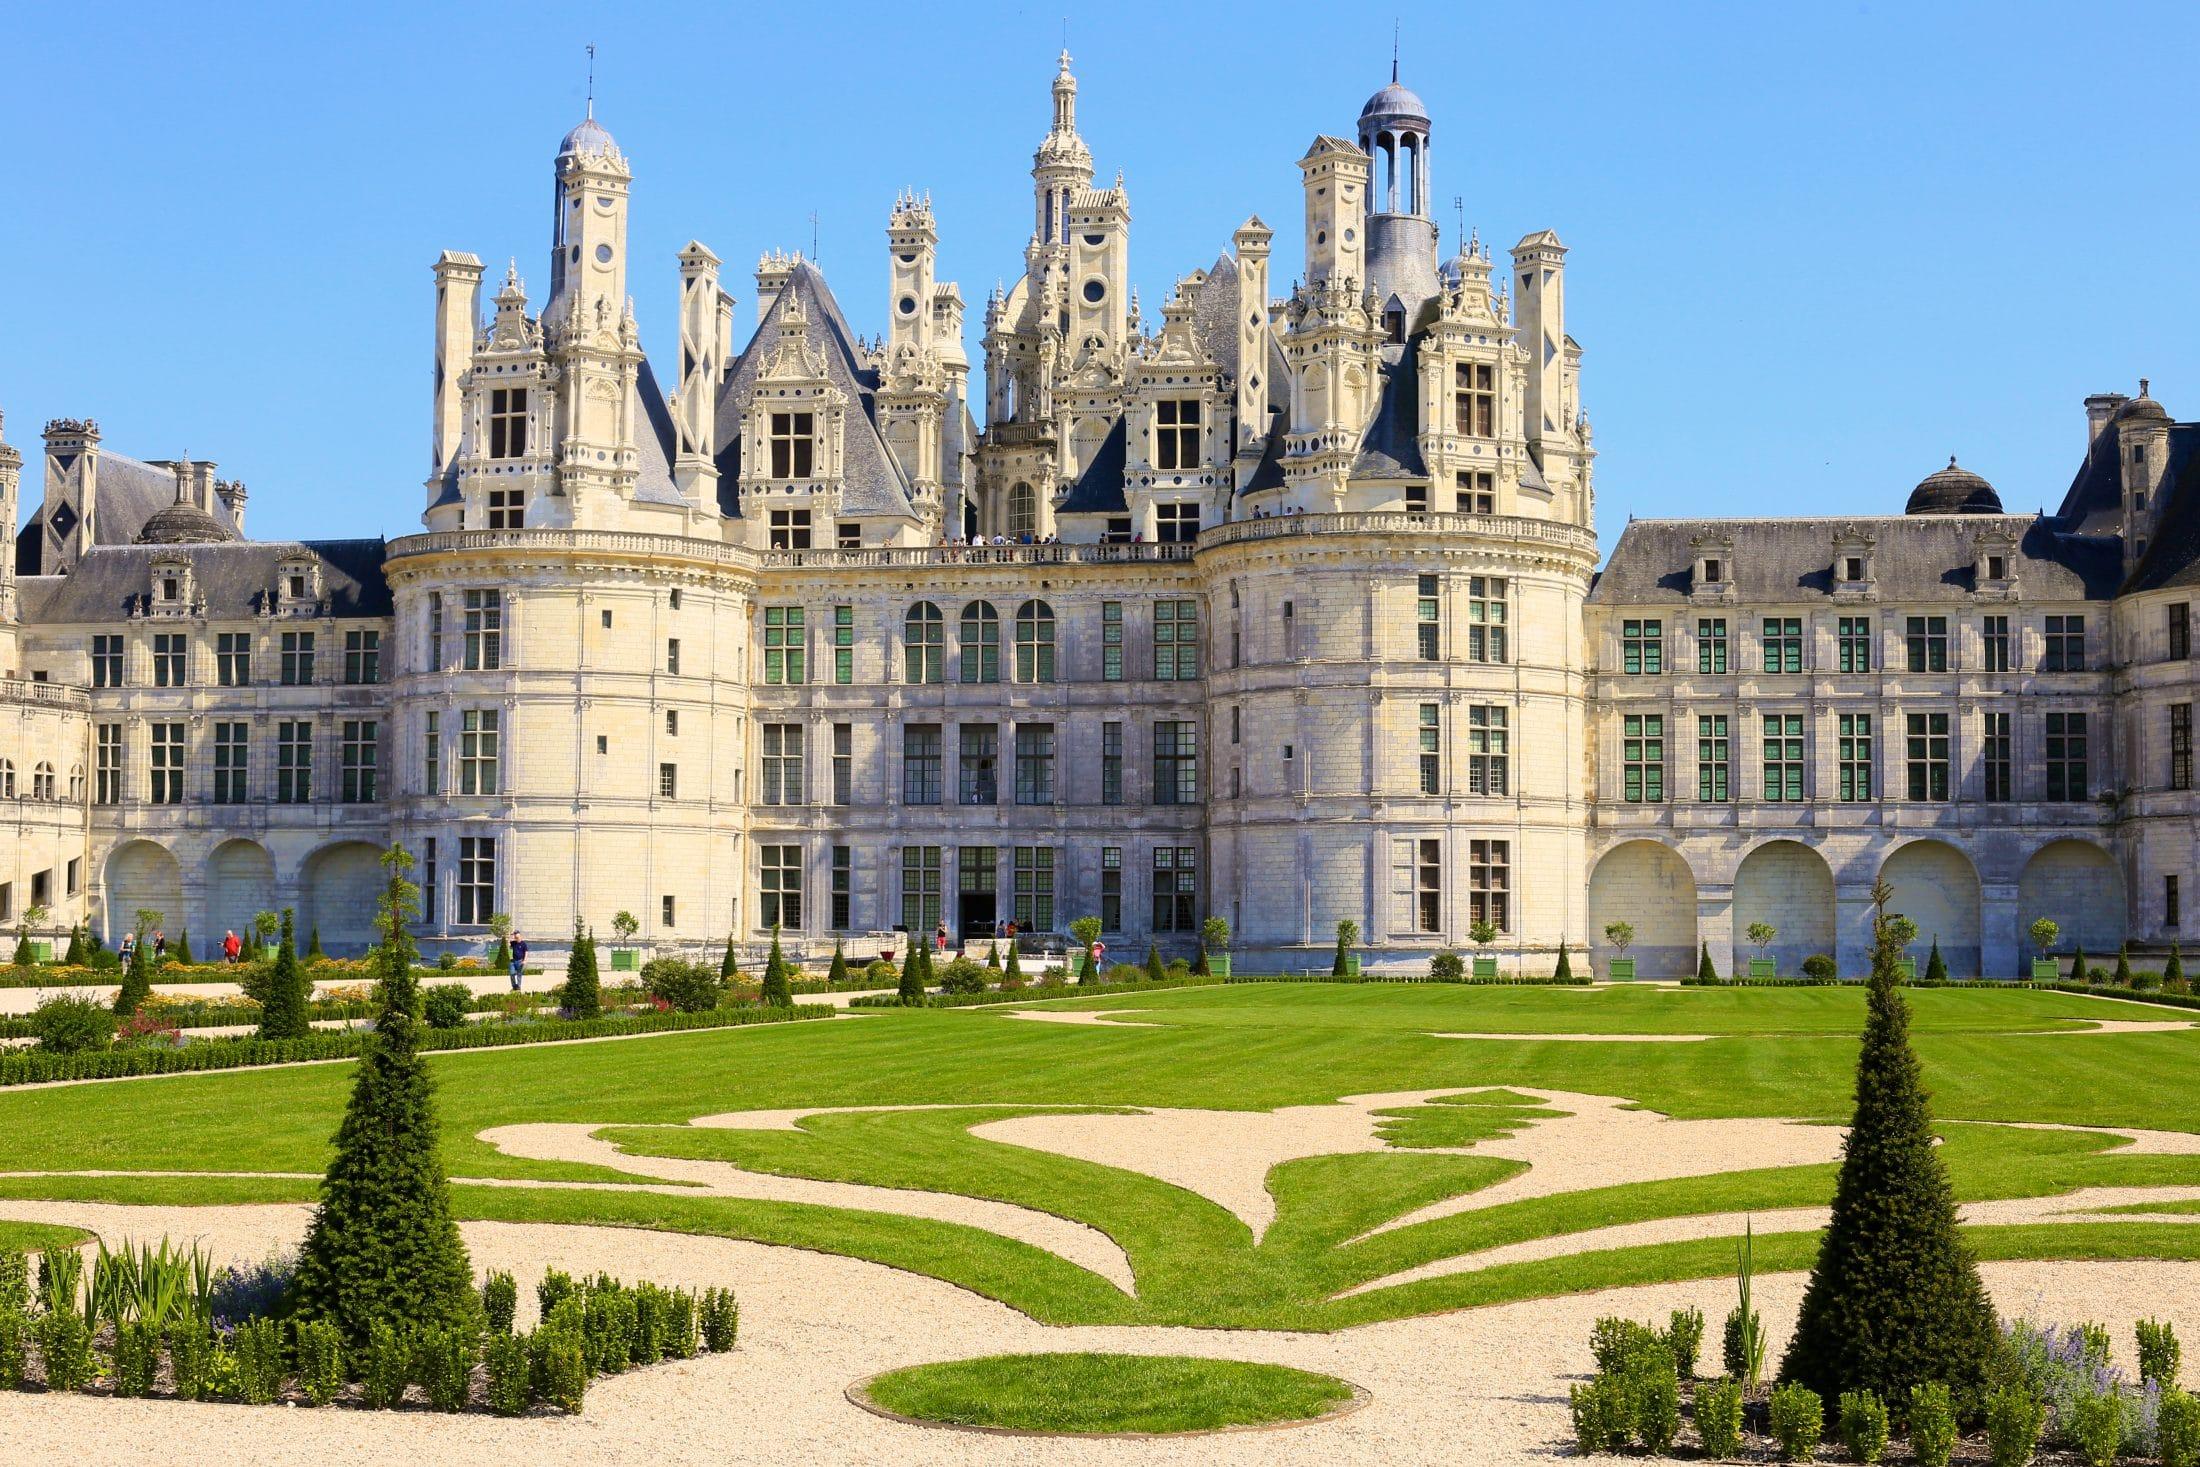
(1620,969)
(2046,970)
(1218,964)
(1906,968)
(1485,967)
(1761,968)
(625,960)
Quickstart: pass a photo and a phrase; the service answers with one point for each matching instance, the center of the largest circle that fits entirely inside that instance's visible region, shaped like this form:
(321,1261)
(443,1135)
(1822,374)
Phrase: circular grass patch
(1103,1395)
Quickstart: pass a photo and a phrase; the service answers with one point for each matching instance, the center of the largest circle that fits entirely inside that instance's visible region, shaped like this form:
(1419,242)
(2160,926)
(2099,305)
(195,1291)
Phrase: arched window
(924,639)
(1035,642)
(76,784)
(1023,511)
(981,643)
(7,779)
(42,781)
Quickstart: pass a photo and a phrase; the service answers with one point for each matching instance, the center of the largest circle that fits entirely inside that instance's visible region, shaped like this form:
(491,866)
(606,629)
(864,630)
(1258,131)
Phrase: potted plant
(2044,933)
(1762,933)
(1347,962)
(1214,936)
(1087,932)
(1903,932)
(625,957)
(1621,935)
(1482,934)
(265,925)
(28,949)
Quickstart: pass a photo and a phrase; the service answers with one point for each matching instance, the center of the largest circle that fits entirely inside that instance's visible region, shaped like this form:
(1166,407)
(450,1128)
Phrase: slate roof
(872,482)
(130,493)
(1215,313)
(1099,489)
(2173,555)
(655,447)
(1391,446)
(233,579)
(1919,559)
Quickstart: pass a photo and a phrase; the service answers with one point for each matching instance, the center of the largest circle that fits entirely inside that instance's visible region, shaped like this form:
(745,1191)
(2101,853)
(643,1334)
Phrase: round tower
(1401,235)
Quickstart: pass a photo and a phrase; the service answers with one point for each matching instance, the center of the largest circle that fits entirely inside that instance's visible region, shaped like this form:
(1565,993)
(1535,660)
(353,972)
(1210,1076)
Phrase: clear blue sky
(1816,249)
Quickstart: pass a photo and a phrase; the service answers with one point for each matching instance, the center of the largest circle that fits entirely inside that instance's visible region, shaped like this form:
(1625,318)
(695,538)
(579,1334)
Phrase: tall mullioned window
(1852,640)
(1034,763)
(107,661)
(1926,755)
(783,764)
(844,645)
(842,915)
(1475,491)
(296,667)
(920,890)
(171,660)
(785,647)
(293,762)
(844,763)
(167,745)
(1430,729)
(480,750)
(1417,885)
(233,659)
(1176,640)
(2066,757)
(1642,758)
(1783,749)
(107,764)
(507,423)
(1486,619)
(1176,434)
(1783,644)
(360,747)
(1714,758)
(1489,750)
(1111,641)
(1474,399)
(362,657)
(1175,889)
(476,889)
(1642,646)
(484,612)
(231,769)
(1489,883)
(1926,640)
(981,643)
(1854,757)
(1994,643)
(779,885)
(793,445)
(1111,763)
(2064,649)
(1111,888)
(431,753)
(434,631)
(978,763)
(1035,642)
(923,644)
(1995,759)
(2180,631)
(1711,644)
(920,764)
(2180,746)
(1175,763)
(1032,869)
(1428,618)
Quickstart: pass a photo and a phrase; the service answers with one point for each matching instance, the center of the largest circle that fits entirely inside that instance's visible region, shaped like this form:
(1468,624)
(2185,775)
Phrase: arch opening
(1649,887)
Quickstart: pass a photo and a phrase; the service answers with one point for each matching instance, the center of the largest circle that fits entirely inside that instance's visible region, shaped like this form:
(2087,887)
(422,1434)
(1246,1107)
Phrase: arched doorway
(240,880)
(2077,884)
(1936,887)
(1788,885)
(141,876)
(1649,887)
(338,891)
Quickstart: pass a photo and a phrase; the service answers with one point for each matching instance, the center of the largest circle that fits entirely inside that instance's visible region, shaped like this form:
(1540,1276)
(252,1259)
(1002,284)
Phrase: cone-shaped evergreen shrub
(1154,969)
(313,945)
(2123,966)
(1936,970)
(729,967)
(2173,971)
(283,1009)
(24,957)
(1565,967)
(1013,975)
(913,972)
(776,992)
(583,990)
(1089,970)
(137,979)
(838,973)
(993,957)
(500,961)
(382,1248)
(1705,973)
(79,954)
(181,952)
(1894,1300)
(2077,966)
(1199,964)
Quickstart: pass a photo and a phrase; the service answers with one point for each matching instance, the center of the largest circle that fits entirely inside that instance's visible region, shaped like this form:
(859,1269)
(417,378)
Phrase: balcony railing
(902,555)
(59,695)
(1403,522)
(600,542)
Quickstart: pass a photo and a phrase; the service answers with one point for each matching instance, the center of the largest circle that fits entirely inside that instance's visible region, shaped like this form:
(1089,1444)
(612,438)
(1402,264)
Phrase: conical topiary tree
(383,1248)
(1565,968)
(137,979)
(2078,966)
(837,975)
(1013,975)
(283,1011)
(181,952)
(1894,1300)
(776,992)
(2123,966)
(1936,970)
(583,989)
(79,954)
(2173,971)
(313,946)
(1705,973)
(911,988)
(729,966)
(993,956)
(1154,971)
(1087,932)
(1348,932)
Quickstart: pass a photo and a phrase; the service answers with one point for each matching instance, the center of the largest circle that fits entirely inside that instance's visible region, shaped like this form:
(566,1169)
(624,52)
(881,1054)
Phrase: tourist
(129,948)
(160,946)
(519,959)
(232,948)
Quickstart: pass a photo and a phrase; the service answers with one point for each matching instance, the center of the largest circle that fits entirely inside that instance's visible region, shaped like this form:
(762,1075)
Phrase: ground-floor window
(1489,883)
(1111,888)
(1034,868)
(1175,889)
(779,885)
(920,889)
(843,887)
(477,879)
(1926,738)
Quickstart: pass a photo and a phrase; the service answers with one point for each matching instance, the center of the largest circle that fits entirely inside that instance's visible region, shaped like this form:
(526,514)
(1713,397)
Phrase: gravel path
(1479,1387)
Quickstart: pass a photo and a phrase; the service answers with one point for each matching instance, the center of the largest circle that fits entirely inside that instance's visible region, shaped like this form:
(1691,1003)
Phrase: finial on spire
(1394,50)
(2143,387)
(591,81)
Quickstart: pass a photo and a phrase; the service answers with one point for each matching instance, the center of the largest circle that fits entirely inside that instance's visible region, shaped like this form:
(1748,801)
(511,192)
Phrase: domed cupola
(1401,234)
(184,523)
(1954,490)
(590,138)
(2143,408)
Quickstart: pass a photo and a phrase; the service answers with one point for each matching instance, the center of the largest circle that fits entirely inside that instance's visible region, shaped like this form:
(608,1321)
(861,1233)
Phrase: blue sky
(1816,249)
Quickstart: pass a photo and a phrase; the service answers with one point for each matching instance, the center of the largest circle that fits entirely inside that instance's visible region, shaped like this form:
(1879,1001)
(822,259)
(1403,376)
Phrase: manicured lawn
(1989,1056)
(1084,1394)
(21,1237)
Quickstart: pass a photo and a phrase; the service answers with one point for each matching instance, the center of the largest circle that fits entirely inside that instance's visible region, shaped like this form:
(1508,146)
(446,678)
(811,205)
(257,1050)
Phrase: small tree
(2173,971)
(500,928)
(911,993)
(25,955)
(1012,976)
(382,1248)
(1895,1299)
(776,992)
(837,975)
(1565,968)
(1705,973)
(283,1011)
(1761,935)
(1621,935)
(314,954)
(2044,931)
(729,966)
(1482,933)
(583,988)
(2123,966)
(181,952)
(1214,937)
(1154,970)
(993,956)
(1936,967)
(79,954)
(1087,932)
(264,927)
(137,979)
(1348,932)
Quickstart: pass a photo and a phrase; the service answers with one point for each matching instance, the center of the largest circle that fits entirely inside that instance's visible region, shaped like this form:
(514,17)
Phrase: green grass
(23,1237)
(1087,1394)
(1989,1055)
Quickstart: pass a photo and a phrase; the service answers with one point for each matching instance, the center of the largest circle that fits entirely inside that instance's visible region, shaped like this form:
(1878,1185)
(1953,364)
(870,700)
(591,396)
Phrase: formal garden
(1341,1216)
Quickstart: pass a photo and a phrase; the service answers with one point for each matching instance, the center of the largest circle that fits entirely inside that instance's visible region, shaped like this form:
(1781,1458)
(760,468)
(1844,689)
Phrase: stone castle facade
(1282,605)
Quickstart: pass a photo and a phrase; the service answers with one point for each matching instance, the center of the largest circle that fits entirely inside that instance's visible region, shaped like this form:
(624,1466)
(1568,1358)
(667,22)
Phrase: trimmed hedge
(31,1067)
(2103,990)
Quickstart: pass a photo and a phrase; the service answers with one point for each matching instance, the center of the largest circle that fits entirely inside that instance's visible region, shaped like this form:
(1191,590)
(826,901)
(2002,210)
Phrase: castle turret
(1401,236)
(1333,175)
(1062,166)
(702,338)
(11,488)
(457,318)
(72,493)
(589,325)
(1252,241)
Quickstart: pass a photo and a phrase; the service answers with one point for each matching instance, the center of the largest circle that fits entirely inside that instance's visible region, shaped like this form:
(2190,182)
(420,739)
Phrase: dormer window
(296,587)
(1852,568)
(1854,573)
(1394,326)
(298,584)
(1176,434)
(1997,568)
(793,446)
(1713,572)
(1994,564)
(790,528)
(1474,399)
(171,588)
(508,422)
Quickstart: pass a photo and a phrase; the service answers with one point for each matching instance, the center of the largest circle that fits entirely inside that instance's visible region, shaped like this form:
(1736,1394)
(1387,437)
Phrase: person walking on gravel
(519,960)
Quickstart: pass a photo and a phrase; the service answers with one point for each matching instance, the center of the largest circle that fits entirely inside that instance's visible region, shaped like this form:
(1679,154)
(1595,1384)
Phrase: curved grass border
(858,1395)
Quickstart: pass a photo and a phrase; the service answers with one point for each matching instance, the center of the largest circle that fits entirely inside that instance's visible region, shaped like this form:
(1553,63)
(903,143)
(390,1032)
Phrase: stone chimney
(2099,408)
